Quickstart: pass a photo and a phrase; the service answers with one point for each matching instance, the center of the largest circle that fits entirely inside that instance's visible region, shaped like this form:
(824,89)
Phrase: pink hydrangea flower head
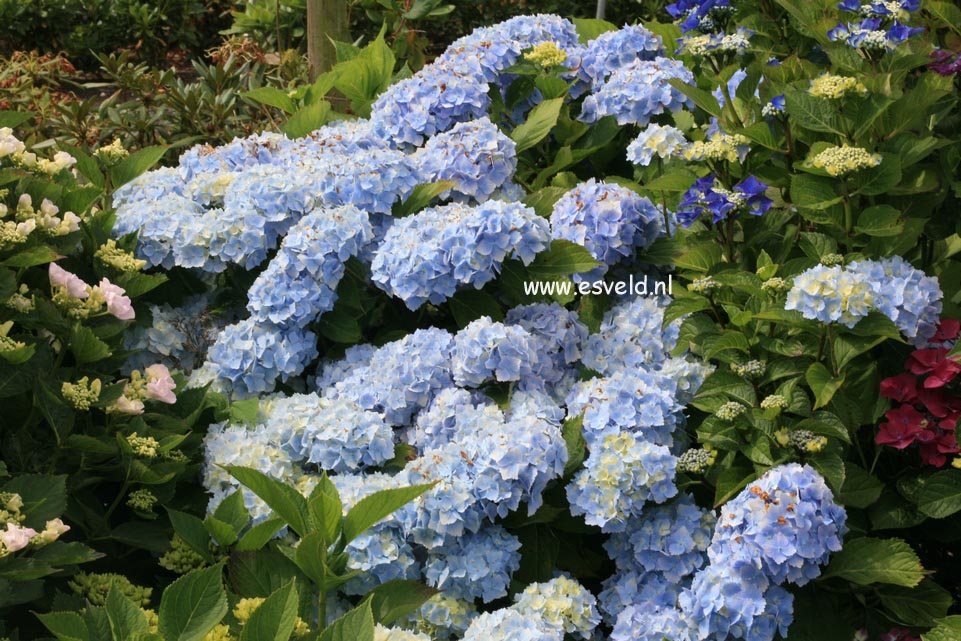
(160,386)
(118,304)
(71,282)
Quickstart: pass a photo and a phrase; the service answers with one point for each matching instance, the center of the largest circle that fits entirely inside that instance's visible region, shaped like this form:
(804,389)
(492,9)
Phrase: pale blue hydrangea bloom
(251,356)
(452,414)
(508,624)
(176,337)
(156,222)
(610,51)
(383,552)
(382,633)
(786,524)
(640,622)
(656,140)
(906,295)
(152,186)
(245,447)
(831,294)
(401,377)
(637,92)
(237,155)
(331,372)
(671,539)
(475,155)
(559,329)
(611,221)
(621,473)
(478,565)
(445,616)
(726,603)
(435,99)
(493,49)
(631,336)
(484,474)
(627,587)
(335,435)
(300,282)
(534,402)
(636,402)
(561,603)
(426,257)
(486,351)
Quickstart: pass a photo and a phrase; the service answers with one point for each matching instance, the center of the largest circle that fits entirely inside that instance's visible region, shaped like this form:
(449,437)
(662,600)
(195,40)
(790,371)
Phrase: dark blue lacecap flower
(853,6)
(706,196)
(697,14)
(869,34)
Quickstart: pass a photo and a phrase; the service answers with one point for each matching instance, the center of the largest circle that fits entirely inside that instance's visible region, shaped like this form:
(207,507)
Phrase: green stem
(322,610)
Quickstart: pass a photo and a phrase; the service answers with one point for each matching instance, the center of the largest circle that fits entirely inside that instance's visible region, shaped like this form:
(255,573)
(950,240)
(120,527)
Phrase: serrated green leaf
(917,607)
(136,164)
(193,604)
(538,125)
(66,626)
(866,561)
(274,619)
(126,618)
(562,259)
(257,536)
(285,501)
(356,625)
(941,494)
(379,505)
(822,384)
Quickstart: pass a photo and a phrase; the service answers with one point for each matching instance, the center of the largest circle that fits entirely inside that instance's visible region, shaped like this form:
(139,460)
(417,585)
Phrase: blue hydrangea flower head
(300,282)
(637,402)
(831,294)
(428,256)
(486,351)
(724,602)
(562,603)
(475,155)
(671,539)
(707,196)
(642,623)
(637,92)
(609,220)
(508,624)
(656,140)
(475,566)
(251,356)
(401,377)
(615,49)
(786,524)
(906,295)
(334,435)
(620,474)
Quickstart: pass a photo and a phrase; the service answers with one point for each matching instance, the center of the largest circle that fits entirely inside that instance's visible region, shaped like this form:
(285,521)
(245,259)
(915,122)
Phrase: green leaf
(245,411)
(340,327)
(700,258)
(866,560)
(916,607)
(310,557)
(284,500)
(191,529)
(64,553)
(543,200)
(950,16)
(877,180)
(471,304)
(421,197)
(20,355)
(86,347)
(126,618)
(193,604)
(810,112)
(14,118)
(257,536)
(31,256)
(822,384)
(135,164)
(813,192)
(860,489)
(941,494)
(573,431)
(394,600)
(701,98)
(540,121)
(66,626)
(880,220)
(272,96)
(44,497)
(377,506)
(275,618)
(562,259)
(307,119)
(233,511)
(326,509)
(948,629)
(590,28)
(356,625)
(728,340)
(223,533)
